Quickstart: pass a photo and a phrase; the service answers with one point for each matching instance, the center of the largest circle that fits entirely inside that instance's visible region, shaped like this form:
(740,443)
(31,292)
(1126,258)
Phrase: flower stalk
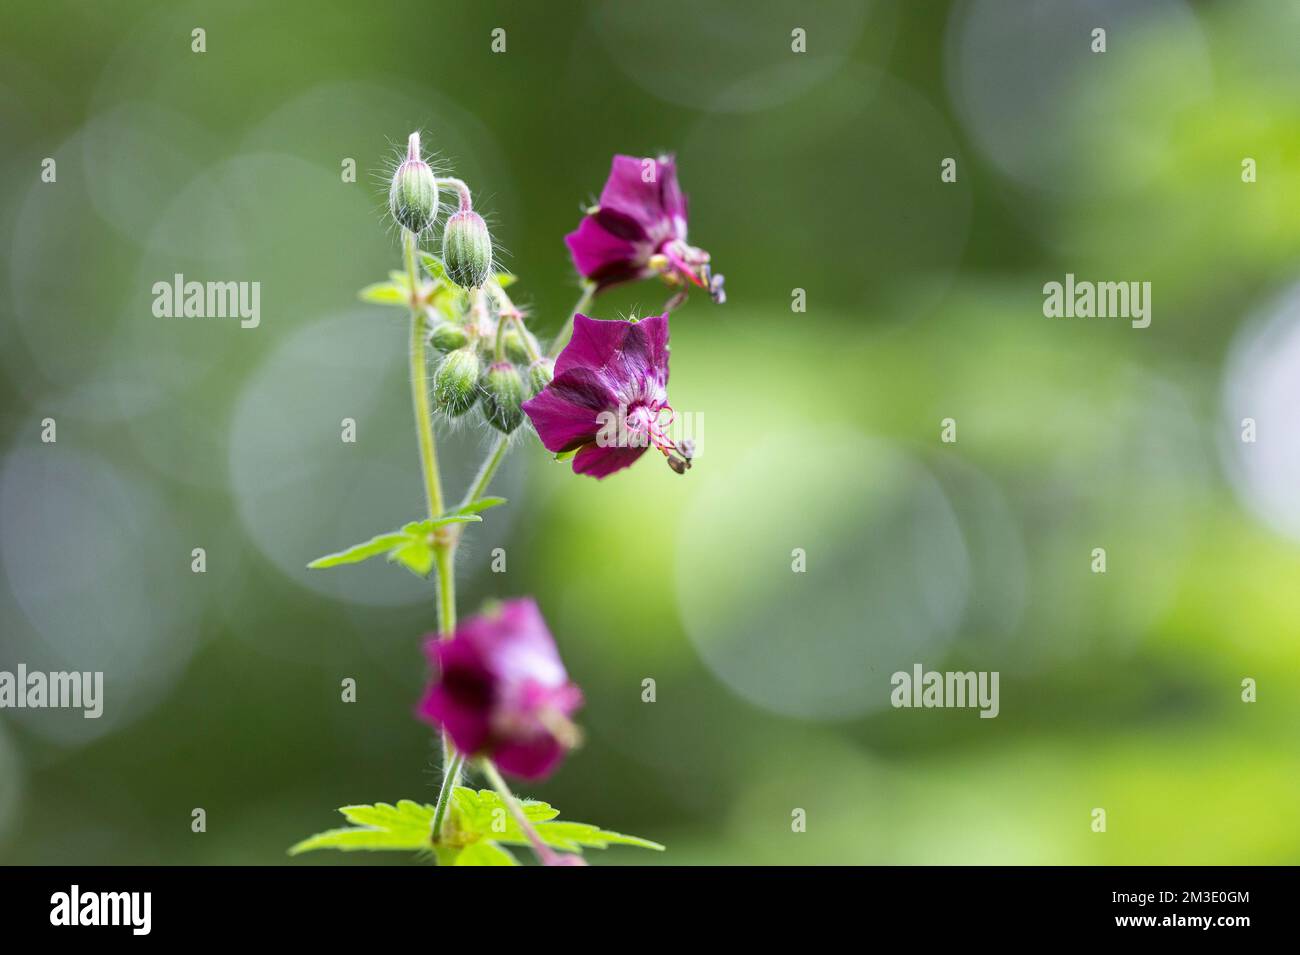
(487,470)
(566,330)
(449,780)
(545,854)
(420,384)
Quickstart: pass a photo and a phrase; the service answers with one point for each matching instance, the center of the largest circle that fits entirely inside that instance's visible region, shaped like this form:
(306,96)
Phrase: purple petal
(628,356)
(531,759)
(654,329)
(461,700)
(670,194)
(598,462)
(566,413)
(594,344)
(657,206)
(606,258)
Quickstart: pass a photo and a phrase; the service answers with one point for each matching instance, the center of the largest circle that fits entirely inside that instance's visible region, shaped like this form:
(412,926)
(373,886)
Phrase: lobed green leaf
(385,293)
(381,827)
(359,552)
(481,824)
(409,546)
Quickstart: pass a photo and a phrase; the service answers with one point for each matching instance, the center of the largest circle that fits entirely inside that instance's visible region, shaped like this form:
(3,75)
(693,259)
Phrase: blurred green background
(820,430)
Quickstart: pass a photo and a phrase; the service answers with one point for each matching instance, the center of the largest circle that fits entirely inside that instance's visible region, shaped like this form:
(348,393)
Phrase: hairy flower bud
(448,337)
(413,195)
(467,249)
(503,393)
(455,383)
(540,374)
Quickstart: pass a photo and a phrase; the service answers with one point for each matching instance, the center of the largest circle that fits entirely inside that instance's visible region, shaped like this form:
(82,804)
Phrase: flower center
(650,423)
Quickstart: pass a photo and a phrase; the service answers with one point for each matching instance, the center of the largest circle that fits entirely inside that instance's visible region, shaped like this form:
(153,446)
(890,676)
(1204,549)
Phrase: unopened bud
(540,374)
(413,196)
(448,337)
(455,383)
(467,249)
(503,393)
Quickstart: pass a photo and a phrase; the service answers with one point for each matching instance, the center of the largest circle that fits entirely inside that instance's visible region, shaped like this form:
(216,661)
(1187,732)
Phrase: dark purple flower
(502,691)
(639,230)
(609,397)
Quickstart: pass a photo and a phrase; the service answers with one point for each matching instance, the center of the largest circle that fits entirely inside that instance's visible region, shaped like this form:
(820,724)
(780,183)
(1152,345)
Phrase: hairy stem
(507,311)
(462,190)
(420,385)
(562,337)
(545,854)
(444,558)
(443,549)
(499,350)
(444,796)
(530,345)
(487,470)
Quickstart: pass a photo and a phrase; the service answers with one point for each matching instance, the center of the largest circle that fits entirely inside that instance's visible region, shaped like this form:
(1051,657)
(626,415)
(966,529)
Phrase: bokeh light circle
(1038,102)
(1262,382)
(735,55)
(854,199)
(99,568)
(885,583)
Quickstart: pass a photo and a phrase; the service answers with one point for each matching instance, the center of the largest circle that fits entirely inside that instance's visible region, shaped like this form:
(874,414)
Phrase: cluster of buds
(488,358)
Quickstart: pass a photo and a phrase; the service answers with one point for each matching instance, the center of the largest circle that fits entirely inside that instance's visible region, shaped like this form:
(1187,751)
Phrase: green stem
(444,559)
(443,550)
(444,795)
(530,345)
(545,854)
(487,470)
(420,386)
(562,338)
(462,191)
(499,352)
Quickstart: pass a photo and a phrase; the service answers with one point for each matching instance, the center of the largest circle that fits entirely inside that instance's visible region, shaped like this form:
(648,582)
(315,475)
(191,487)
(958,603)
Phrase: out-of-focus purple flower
(502,691)
(639,230)
(609,397)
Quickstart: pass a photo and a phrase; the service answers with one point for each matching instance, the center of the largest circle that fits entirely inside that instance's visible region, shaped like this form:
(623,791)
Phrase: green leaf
(484,852)
(406,814)
(486,812)
(572,836)
(409,546)
(565,455)
(415,555)
(353,555)
(381,827)
(480,505)
(505,279)
(483,811)
(385,293)
(428,525)
(479,828)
